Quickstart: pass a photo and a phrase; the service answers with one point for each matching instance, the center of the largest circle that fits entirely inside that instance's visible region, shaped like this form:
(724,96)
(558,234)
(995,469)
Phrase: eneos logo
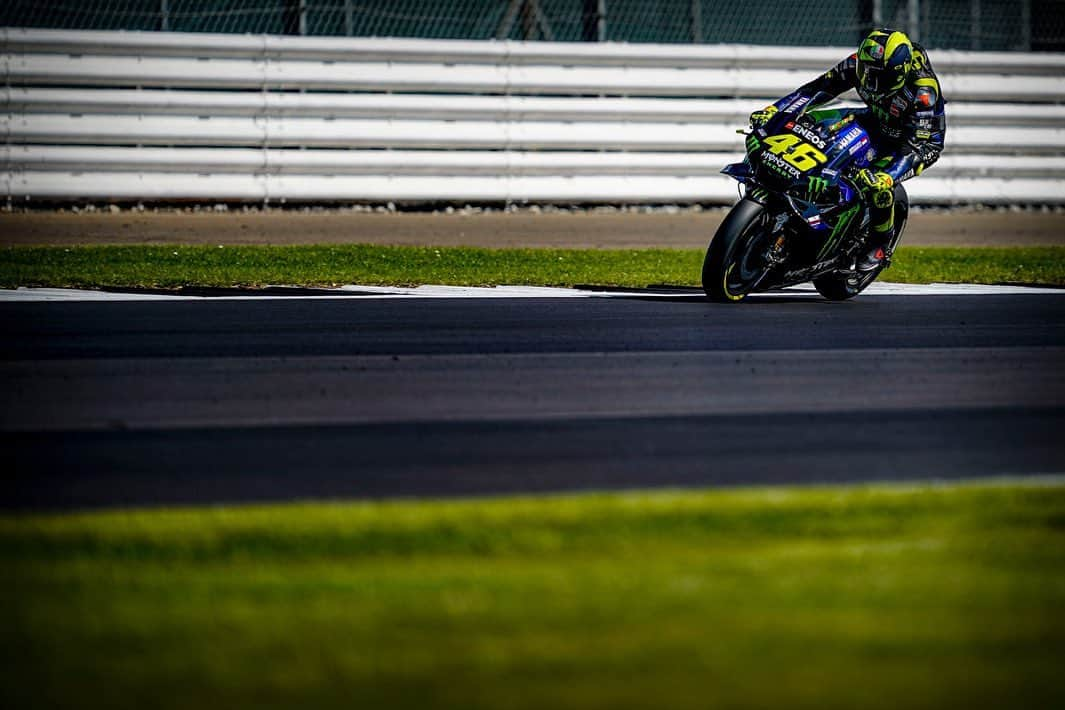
(805,133)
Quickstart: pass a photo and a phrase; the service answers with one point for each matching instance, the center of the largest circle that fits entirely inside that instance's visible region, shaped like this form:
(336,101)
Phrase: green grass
(870,597)
(172,267)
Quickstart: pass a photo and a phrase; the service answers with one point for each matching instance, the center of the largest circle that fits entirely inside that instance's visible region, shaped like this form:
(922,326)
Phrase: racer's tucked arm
(824,88)
(923,133)
(924,122)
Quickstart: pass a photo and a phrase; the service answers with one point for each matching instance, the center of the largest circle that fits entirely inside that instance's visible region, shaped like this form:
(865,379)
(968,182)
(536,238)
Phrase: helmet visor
(876,80)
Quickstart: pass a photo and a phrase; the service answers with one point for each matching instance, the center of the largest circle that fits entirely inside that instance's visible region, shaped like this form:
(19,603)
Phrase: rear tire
(840,287)
(728,274)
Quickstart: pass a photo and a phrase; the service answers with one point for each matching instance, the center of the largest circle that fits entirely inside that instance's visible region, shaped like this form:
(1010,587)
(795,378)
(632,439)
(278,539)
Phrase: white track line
(355,292)
(896,289)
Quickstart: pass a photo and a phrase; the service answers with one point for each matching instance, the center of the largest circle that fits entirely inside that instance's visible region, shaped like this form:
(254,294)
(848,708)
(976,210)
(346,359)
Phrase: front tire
(840,287)
(733,265)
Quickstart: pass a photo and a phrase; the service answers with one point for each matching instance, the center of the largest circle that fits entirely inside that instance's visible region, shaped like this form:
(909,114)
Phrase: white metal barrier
(143,116)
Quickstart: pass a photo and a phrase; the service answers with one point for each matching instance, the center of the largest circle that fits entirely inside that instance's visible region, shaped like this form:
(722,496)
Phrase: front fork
(776,254)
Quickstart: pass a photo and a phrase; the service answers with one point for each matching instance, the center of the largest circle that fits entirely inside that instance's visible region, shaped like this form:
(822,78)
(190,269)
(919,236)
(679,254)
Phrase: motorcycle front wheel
(735,259)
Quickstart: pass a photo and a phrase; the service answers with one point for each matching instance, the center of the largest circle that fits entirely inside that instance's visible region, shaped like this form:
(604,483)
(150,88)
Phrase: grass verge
(172,267)
(942,596)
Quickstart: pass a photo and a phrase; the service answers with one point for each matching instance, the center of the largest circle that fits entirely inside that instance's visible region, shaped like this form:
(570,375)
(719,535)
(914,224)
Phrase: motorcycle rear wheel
(734,262)
(840,287)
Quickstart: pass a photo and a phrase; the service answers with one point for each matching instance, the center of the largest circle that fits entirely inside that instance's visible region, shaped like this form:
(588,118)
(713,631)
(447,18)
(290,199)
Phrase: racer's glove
(874,181)
(760,118)
(877,187)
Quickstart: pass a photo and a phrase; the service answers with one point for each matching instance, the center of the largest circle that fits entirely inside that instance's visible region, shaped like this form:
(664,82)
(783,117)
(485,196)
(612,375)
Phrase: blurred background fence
(461,101)
(997,25)
(118,115)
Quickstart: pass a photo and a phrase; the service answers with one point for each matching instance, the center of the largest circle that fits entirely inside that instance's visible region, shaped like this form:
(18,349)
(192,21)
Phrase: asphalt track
(214,400)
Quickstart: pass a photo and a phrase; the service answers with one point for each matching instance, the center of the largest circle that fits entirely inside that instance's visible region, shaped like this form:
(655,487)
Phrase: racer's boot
(876,257)
(881,221)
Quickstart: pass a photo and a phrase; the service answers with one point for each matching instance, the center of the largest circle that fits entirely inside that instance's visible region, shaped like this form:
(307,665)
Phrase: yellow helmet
(885,58)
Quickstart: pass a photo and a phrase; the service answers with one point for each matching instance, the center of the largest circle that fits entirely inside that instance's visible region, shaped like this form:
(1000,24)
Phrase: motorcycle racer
(904,117)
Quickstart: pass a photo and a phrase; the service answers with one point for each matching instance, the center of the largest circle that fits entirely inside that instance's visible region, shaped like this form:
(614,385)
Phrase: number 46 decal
(802,155)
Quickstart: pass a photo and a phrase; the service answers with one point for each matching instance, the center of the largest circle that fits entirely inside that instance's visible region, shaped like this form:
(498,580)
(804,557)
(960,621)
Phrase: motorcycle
(802,216)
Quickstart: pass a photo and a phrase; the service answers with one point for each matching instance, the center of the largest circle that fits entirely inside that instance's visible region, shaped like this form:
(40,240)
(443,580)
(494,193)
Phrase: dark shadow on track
(91,469)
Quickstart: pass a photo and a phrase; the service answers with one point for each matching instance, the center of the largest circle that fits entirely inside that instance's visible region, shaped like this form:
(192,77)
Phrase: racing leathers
(906,129)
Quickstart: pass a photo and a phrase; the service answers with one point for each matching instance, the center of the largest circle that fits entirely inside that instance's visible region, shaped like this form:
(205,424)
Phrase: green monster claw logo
(752,144)
(815,187)
(880,113)
(838,232)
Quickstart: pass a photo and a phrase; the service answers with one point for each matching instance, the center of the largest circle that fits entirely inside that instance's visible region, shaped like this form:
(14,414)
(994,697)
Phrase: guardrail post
(1026,26)
(295,19)
(532,17)
(528,21)
(594,21)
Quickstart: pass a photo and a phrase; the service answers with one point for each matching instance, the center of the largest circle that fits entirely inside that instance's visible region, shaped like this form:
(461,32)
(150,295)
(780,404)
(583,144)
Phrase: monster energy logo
(752,144)
(880,113)
(815,187)
(841,227)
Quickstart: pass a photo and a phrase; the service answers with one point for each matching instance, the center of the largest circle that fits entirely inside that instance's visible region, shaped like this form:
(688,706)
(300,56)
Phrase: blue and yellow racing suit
(906,128)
